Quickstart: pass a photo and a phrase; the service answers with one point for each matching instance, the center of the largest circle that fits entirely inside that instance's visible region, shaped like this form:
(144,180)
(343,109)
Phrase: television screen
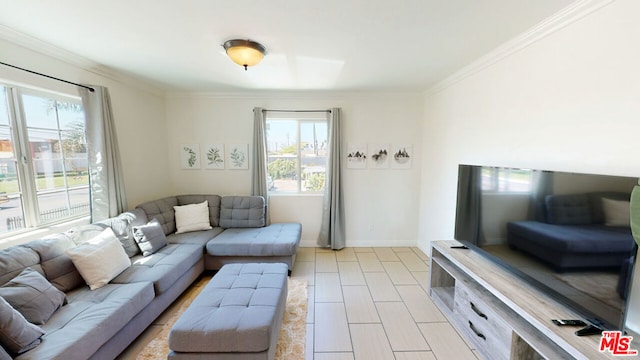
(566,233)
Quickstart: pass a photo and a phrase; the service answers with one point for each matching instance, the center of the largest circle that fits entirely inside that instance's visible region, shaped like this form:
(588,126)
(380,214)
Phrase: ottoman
(236,316)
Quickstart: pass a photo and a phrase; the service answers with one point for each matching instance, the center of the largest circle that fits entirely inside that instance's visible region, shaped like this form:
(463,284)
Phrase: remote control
(589,330)
(569,322)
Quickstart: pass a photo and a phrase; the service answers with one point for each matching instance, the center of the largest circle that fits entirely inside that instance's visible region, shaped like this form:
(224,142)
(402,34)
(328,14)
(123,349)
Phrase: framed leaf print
(213,156)
(190,156)
(238,156)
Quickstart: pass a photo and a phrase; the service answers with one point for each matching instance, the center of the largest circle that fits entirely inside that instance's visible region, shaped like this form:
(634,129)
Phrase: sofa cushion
(162,209)
(280,239)
(616,212)
(192,217)
(122,225)
(242,212)
(212,200)
(163,268)
(100,259)
(568,209)
(33,296)
(56,264)
(150,237)
(90,319)
(194,237)
(15,259)
(16,333)
(595,200)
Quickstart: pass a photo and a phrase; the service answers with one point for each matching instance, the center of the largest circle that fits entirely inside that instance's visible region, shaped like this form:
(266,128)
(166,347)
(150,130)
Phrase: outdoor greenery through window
(296,155)
(506,180)
(43,159)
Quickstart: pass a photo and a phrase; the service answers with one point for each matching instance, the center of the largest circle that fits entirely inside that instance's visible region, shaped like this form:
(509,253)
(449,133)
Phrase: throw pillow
(616,212)
(33,296)
(17,335)
(100,259)
(150,237)
(192,217)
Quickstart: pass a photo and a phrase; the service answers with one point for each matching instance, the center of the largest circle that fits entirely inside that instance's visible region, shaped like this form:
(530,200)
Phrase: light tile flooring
(373,303)
(365,303)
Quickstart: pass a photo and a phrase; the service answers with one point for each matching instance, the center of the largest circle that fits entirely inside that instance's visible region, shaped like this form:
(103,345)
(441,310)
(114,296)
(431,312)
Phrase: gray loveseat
(101,323)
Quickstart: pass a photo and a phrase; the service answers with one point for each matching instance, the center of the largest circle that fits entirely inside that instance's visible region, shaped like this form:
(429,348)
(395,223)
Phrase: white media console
(503,316)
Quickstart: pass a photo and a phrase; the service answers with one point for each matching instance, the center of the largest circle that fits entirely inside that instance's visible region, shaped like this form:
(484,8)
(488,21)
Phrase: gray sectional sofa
(101,323)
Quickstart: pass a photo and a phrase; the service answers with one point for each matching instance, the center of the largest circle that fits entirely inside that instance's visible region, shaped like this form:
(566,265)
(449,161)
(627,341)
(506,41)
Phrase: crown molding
(76,60)
(561,19)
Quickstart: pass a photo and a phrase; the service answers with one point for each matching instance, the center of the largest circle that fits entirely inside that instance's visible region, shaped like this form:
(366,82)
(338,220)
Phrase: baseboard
(368,243)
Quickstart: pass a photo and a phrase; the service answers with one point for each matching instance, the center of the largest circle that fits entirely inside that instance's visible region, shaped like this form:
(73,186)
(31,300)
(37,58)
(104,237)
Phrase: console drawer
(492,334)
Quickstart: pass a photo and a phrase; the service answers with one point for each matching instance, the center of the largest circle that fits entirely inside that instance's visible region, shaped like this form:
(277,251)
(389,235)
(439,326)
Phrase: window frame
(494,176)
(299,120)
(28,192)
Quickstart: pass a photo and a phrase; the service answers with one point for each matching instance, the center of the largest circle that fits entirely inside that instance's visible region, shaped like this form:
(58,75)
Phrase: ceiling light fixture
(244,52)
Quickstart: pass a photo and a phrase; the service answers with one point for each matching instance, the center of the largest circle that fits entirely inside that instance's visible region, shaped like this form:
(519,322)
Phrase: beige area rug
(291,341)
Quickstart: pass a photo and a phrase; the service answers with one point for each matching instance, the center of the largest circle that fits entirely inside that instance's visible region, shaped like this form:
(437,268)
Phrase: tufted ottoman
(236,316)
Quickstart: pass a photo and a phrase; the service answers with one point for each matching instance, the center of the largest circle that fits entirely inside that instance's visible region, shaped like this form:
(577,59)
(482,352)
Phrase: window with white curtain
(296,153)
(43,159)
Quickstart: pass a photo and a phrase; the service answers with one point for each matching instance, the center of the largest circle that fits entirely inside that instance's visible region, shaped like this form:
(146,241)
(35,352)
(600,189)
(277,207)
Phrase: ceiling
(343,45)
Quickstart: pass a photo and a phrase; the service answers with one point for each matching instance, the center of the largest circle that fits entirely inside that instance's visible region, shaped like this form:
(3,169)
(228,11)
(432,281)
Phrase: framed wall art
(190,156)
(401,156)
(213,156)
(238,156)
(356,156)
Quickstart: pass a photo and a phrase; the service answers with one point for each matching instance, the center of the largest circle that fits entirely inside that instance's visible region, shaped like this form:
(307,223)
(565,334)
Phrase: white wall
(570,101)
(138,112)
(381,205)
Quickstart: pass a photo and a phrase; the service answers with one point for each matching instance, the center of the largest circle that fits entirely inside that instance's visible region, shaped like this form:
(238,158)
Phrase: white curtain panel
(106,181)
(332,232)
(259,169)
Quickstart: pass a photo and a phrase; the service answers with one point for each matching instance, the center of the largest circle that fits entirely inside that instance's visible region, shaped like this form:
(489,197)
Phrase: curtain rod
(48,76)
(295,111)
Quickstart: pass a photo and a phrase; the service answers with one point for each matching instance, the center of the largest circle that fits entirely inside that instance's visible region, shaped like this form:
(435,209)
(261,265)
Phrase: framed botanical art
(213,156)
(190,156)
(238,156)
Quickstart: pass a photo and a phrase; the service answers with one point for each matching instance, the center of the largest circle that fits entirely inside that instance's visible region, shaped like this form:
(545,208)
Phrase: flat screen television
(566,233)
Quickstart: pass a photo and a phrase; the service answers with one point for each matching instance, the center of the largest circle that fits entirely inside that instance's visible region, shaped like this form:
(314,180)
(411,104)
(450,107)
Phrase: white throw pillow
(192,217)
(616,212)
(99,259)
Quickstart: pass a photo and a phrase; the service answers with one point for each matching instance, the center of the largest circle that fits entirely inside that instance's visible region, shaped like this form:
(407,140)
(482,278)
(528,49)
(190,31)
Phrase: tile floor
(372,303)
(365,303)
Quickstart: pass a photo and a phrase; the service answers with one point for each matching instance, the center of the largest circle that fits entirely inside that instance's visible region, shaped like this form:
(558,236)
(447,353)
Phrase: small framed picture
(356,156)
(238,156)
(190,156)
(378,156)
(213,156)
(401,156)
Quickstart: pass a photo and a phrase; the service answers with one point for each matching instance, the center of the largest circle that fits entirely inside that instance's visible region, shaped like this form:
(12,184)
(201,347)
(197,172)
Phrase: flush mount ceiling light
(244,52)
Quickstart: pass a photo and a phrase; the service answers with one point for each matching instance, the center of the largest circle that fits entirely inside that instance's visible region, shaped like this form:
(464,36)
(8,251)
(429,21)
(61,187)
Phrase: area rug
(291,340)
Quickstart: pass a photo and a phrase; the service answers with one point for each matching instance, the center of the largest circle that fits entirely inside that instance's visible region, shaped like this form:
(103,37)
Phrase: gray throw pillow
(17,335)
(33,296)
(150,237)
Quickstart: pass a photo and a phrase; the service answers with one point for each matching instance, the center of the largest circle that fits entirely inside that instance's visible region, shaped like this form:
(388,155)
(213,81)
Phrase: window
(43,159)
(506,180)
(296,155)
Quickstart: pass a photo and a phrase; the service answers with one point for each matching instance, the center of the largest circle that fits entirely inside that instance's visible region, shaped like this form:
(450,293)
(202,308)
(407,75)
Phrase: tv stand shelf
(503,316)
